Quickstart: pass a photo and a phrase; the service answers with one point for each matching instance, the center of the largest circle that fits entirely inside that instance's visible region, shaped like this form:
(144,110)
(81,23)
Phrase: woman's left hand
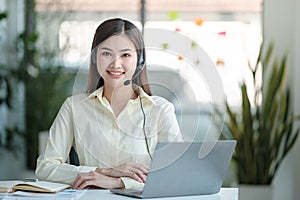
(132,170)
(94,179)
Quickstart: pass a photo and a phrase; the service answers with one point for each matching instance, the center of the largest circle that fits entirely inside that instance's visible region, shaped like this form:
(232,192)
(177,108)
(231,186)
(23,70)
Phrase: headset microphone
(127,82)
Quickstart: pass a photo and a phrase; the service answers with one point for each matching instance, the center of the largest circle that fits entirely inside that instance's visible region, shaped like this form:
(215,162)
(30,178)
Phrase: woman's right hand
(133,170)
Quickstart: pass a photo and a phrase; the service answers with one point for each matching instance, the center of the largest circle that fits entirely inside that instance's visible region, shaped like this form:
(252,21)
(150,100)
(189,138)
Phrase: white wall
(282,26)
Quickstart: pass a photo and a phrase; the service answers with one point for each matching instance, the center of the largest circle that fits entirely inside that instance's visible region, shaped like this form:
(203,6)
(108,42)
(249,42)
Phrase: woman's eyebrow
(105,48)
(122,50)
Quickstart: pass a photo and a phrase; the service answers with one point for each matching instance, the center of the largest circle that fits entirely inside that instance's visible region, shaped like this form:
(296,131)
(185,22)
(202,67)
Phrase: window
(228,31)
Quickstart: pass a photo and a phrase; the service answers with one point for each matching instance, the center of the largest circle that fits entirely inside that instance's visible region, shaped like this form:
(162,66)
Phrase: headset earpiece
(141,62)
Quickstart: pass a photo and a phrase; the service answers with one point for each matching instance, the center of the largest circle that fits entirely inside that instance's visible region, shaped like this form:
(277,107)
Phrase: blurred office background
(45,47)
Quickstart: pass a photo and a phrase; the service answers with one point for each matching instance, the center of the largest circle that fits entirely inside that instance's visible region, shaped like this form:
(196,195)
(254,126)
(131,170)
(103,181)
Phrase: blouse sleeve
(169,130)
(51,165)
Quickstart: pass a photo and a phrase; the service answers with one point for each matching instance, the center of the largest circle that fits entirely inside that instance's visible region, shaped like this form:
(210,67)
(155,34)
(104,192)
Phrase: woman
(116,125)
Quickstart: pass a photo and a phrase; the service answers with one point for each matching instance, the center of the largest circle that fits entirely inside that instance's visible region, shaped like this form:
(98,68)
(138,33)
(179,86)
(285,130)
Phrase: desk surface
(224,194)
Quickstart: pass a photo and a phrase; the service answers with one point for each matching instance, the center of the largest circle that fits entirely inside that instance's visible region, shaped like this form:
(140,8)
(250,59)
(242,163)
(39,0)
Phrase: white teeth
(116,73)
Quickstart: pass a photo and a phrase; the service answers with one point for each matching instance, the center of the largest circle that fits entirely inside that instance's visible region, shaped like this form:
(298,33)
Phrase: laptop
(185,168)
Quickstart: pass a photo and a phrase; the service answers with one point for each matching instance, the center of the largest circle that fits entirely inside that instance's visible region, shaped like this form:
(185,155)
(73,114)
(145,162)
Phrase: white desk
(224,194)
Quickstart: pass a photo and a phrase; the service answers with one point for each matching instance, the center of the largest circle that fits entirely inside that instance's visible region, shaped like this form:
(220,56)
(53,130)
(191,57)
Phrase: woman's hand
(94,179)
(135,171)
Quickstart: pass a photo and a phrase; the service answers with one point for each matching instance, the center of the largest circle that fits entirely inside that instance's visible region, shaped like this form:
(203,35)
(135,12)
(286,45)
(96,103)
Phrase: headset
(141,61)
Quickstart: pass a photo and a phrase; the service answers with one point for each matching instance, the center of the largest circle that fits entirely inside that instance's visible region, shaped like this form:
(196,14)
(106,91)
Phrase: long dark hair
(107,29)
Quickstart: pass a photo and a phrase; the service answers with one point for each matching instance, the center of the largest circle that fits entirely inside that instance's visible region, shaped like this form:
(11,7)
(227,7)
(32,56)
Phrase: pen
(31,180)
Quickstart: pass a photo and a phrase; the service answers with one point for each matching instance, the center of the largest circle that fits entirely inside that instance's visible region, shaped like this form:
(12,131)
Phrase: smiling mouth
(115,73)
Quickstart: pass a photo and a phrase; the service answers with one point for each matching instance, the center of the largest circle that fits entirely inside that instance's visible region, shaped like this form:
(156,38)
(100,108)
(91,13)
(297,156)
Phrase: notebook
(37,186)
(185,168)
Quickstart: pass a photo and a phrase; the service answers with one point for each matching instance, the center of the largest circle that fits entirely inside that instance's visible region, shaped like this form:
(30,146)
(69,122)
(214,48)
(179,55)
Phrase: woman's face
(116,60)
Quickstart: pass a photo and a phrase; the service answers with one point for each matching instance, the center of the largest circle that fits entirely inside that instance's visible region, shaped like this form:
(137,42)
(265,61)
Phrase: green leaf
(3,15)
(266,59)
(247,115)
(173,15)
(165,45)
(232,123)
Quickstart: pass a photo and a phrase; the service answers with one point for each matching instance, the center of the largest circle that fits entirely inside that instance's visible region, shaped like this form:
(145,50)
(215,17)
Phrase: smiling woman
(116,60)
(108,125)
(126,45)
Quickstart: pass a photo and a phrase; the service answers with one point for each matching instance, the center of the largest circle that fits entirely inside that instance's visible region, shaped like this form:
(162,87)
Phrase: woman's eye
(126,55)
(105,53)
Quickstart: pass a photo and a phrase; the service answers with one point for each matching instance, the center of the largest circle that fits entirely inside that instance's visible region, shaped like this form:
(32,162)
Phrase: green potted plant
(264,128)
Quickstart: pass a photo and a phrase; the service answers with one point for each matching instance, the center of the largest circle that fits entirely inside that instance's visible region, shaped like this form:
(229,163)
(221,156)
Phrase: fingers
(84,185)
(137,168)
(139,172)
(76,182)
(95,179)
(80,179)
(145,169)
(111,177)
(135,171)
(140,177)
(140,168)
(86,179)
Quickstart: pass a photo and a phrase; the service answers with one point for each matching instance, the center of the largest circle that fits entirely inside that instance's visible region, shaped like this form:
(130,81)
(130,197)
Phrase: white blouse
(103,140)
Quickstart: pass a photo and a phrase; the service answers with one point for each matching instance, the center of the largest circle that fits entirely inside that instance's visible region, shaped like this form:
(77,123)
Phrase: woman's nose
(116,62)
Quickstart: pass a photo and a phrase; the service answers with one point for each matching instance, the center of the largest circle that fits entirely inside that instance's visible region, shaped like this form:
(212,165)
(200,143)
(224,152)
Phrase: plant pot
(257,192)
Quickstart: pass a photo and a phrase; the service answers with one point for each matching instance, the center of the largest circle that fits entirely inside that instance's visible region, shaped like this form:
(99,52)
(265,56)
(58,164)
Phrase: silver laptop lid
(185,168)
